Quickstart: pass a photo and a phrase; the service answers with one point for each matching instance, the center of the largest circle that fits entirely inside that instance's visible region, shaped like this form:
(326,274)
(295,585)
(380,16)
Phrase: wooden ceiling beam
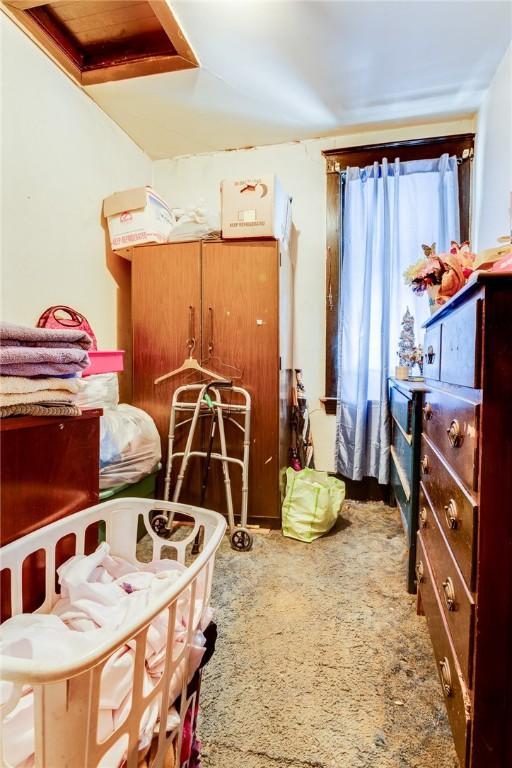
(150,65)
(25,5)
(167,19)
(33,29)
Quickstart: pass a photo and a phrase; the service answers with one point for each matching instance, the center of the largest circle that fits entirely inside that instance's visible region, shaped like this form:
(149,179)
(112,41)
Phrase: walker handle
(220,384)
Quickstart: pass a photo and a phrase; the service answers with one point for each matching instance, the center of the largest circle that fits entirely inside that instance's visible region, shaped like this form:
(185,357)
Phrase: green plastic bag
(312,503)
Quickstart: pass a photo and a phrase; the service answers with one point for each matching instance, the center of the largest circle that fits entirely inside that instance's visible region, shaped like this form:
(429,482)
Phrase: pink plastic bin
(105,361)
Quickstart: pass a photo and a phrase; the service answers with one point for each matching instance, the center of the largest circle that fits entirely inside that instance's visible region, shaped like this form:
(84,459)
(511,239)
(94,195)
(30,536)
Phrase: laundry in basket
(312,503)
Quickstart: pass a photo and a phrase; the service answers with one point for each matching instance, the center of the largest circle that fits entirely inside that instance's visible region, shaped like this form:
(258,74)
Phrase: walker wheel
(159,525)
(241,540)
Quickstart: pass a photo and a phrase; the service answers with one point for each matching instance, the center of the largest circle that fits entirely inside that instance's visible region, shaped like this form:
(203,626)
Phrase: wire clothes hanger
(232,371)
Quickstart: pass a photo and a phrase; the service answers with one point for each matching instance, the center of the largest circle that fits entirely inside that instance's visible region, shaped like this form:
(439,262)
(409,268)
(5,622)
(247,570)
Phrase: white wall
(61,156)
(301,168)
(493,160)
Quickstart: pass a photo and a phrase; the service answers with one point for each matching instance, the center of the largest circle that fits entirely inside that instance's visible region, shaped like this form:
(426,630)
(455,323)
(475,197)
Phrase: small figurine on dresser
(416,373)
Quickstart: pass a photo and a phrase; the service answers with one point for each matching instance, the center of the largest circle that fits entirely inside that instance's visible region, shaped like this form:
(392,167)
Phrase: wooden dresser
(464,558)
(49,469)
(406,403)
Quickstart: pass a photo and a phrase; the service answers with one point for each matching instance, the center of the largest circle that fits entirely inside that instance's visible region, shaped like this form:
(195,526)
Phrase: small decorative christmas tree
(406,345)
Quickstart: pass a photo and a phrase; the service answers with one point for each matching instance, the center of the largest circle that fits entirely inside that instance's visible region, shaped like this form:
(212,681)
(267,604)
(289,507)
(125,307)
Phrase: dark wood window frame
(337,160)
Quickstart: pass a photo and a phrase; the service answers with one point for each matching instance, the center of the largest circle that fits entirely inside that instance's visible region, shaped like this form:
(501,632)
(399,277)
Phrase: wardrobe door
(241,329)
(166,298)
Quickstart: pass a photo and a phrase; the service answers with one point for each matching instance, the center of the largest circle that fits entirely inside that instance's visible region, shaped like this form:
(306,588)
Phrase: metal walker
(209,403)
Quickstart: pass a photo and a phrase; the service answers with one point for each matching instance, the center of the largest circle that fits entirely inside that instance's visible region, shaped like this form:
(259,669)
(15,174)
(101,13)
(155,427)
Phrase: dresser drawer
(457,603)
(456,695)
(452,424)
(432,352)
(455,509)
(402,492)
(401,408)
(402,445)
(460,359)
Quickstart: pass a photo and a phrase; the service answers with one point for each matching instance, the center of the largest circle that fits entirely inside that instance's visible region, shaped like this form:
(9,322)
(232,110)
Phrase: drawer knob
(427,411)
(430,354)
(451,514)
(449,594)
(454,433)
(446,676)
(424,465)
(423,517)
(420,570)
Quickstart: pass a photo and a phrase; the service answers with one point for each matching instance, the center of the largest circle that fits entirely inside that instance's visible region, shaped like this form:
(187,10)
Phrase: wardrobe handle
(420,570)
(210,341)
(427,411)
(424,465)
(423,517)
(191,341)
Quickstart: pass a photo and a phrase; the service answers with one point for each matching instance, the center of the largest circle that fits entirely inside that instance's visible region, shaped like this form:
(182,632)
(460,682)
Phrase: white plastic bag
(99,391)
(193,224)
(130,446)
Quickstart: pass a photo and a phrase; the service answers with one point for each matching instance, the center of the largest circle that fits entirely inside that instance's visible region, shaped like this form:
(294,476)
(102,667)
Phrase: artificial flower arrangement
(441,275)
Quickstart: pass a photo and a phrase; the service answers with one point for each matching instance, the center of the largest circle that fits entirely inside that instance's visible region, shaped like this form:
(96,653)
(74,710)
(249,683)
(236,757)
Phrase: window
(337,162)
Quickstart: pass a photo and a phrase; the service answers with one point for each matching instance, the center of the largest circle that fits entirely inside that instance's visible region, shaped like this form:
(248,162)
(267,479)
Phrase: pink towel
(12,335)
(40,361)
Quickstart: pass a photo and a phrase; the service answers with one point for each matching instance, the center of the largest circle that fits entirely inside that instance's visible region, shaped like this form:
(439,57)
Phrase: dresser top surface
(475,282)
(29,422)
(410,386)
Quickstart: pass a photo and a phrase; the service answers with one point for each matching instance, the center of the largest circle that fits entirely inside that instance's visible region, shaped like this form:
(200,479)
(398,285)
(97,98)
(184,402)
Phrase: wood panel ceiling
(100,40)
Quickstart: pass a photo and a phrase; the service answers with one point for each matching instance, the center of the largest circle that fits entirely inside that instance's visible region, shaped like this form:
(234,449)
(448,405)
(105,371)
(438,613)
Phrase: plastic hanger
(190,363)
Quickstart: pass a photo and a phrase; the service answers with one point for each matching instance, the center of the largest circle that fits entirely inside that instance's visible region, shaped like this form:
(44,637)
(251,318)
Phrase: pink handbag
(66,317)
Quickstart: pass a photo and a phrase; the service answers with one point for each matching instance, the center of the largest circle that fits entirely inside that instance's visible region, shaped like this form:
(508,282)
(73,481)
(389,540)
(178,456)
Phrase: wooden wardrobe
(234,298)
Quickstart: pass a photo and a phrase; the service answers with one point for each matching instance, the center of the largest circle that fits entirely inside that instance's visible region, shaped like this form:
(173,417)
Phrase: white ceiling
(280,70)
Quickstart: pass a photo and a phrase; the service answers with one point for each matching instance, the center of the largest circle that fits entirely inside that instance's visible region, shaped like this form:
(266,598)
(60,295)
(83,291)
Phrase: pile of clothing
(99,594)
(194,224)
(39,370)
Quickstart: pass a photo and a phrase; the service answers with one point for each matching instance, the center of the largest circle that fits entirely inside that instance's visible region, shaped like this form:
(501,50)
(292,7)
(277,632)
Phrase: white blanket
(16,385)
(99,593)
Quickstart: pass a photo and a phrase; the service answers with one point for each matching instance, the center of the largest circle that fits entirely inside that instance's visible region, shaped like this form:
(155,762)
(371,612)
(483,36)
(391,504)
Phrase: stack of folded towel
(39,370)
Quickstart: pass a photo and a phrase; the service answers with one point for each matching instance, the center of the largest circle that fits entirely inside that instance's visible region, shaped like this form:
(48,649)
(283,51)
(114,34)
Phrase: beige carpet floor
(321,661)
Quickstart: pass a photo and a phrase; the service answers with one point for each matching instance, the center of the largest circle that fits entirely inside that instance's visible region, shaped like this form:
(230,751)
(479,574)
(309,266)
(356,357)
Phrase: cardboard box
(256,207)
(137,216)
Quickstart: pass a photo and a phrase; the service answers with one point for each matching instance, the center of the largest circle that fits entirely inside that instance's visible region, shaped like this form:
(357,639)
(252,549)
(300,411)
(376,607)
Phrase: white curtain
(389,210)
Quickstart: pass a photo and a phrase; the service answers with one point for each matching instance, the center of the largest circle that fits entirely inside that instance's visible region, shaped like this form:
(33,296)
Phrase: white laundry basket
(66,696)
